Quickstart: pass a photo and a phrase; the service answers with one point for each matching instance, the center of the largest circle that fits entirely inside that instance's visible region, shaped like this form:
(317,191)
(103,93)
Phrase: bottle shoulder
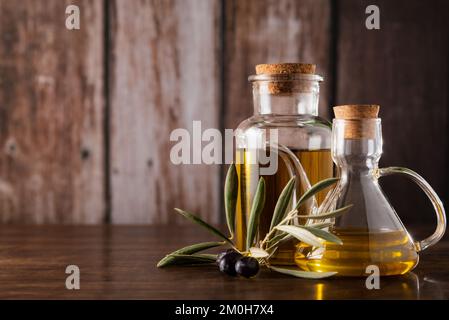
(302,132)
(308,122)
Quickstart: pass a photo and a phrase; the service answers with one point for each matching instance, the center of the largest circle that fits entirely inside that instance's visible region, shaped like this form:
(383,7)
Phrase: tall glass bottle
(285,127)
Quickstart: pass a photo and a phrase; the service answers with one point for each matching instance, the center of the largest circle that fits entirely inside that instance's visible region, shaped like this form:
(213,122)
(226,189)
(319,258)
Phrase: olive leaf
(205,225)
(323,234)
(211,256)
(258,253)
(230,197)
(282,203)
(331,214)
(277,240)
(169,259)
(303,274)
(277,237)
(256,210)
(178,259)
(323,184)
(302,235)
(282,236)
(320,225)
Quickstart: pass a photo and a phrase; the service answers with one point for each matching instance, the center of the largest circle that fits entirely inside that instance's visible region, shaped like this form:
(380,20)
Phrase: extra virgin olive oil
(317,165)
(392,251)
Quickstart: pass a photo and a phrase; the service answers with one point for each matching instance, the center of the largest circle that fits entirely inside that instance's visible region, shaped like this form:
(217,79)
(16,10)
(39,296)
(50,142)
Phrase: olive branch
(281,227)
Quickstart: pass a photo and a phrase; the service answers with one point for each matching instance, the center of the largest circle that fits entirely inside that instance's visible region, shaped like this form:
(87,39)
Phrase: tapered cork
(359,120)
(356,111)
(285,68)
(279,87)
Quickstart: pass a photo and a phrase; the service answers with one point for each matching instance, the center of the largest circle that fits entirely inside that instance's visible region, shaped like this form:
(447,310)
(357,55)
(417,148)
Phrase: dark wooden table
(119,262)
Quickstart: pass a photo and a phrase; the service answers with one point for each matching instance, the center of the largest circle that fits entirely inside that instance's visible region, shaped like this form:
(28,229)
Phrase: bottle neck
(294,104)
(301,98)
(357,157)
(358,170)
(356,147)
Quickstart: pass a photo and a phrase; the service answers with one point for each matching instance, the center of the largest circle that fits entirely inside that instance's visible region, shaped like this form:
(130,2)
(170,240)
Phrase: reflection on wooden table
(119,262)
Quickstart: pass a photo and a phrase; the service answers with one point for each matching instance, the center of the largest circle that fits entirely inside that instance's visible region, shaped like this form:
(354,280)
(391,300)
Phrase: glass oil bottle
(286,99)
(371,232)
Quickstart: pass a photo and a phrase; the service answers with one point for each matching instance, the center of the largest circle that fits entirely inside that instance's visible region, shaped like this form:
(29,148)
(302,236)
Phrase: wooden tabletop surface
(119,262)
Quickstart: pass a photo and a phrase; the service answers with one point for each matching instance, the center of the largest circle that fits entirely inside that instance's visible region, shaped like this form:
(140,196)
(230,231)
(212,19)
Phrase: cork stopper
(285,68)
(277,87)
(358,116)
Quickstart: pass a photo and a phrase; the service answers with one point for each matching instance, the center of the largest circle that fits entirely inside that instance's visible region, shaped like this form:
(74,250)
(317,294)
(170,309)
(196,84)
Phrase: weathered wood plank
(164,75)
(403,67)
(267,31)
(51,103)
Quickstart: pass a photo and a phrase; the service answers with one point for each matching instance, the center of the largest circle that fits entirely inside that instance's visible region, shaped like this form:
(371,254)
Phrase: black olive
(222,254)
(247,267)
(228,261)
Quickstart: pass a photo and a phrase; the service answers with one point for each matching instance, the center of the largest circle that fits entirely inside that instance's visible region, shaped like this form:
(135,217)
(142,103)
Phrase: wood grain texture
(51,103)
(119,262)
(165,71)
(404,68)
(268,31)
(164,75)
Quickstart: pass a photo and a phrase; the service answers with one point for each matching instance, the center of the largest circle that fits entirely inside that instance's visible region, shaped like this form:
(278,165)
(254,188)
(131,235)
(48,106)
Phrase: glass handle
(431,194)
(295,168)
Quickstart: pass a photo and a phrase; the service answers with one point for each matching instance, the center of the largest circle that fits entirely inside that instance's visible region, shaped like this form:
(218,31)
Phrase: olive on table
(247,267)
(227,260)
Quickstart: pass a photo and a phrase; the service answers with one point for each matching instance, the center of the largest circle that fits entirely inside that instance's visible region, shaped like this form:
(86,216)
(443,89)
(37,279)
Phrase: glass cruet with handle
(371,232)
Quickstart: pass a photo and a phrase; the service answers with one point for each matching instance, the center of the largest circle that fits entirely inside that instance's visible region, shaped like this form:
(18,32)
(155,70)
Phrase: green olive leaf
(302,235)
(277,237)
(322,234)
(323,184)
(256,210)
(277,240)
(282,236)
(211,256)
(303,274)
(282,203)
(331,214)
(169,259)
(182,259)
(230,197)
(205,225)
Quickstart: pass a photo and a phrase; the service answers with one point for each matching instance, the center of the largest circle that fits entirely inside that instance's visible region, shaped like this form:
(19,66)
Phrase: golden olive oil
(317,165)
(392,251)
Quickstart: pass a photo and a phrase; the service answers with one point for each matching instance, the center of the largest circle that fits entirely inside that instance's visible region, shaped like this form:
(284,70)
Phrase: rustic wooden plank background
(85,116)
(51,113)
(270,31)
(164,75)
